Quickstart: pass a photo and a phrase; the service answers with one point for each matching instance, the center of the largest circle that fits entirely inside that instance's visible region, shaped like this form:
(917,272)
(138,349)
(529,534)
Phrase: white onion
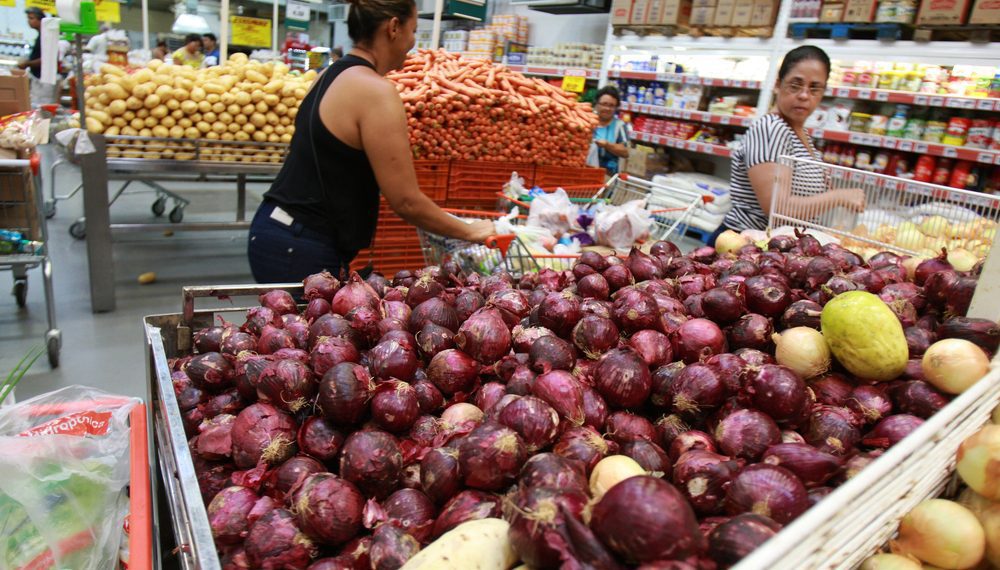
(610,471)
(990,519)
(979,460)
(802,349)
(462,412)
(730,242)
(962,260)
(954,364)
(910,265)
(995,416)
(890,562)
(942,533)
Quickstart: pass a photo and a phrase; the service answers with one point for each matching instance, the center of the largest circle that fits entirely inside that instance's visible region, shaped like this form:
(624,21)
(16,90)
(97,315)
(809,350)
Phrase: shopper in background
(160,51)
(336,53)
(97,46)
(798,91)
(34,62)
(350,144)
(211,48)
(190,54)
(611,134)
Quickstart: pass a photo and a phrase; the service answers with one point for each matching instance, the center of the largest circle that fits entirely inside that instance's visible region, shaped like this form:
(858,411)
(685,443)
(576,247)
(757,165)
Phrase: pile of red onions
(363,425)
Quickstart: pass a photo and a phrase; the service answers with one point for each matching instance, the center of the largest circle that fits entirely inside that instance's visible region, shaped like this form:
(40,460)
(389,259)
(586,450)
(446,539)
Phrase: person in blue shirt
(611,133)
(210,45)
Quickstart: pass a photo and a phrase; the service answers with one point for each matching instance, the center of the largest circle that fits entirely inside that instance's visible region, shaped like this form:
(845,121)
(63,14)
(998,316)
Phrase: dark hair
(338,51)
(365,16)
(192,38)
(161,43)
(210,37)
(35,11)
(608,90)
(800,54)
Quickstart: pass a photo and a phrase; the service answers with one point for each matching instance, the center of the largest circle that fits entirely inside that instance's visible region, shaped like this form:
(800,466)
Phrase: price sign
(856,138)
(954,103)
(985,157)
(818,133)
(686,115)
(920,100)
(985,105)
(950,151)
(724,119)
(250,32)
(297,11)
(882,96)
(843,92)
(864,93)
(905,146)
(574,84)
(920,148)
(47,6)
(108,11)
(937,101)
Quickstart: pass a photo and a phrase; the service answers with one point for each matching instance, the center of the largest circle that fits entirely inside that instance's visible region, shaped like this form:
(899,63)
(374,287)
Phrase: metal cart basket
(898,214)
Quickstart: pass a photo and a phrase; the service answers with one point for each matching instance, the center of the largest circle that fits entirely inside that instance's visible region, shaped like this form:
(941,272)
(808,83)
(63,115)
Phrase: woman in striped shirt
(798,91)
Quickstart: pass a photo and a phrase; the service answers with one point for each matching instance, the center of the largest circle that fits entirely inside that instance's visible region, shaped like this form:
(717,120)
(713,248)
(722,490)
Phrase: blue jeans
(281,253)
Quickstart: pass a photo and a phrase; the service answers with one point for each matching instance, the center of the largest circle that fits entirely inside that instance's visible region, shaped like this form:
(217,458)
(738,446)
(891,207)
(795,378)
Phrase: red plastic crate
(479,181)
(550,177)
(432,177)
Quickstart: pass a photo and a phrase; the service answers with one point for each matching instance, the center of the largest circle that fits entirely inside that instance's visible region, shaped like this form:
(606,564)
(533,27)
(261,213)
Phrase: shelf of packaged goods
(687,115)
(919,99)
(906,145)
(704,148)
(685,78)
(544,71)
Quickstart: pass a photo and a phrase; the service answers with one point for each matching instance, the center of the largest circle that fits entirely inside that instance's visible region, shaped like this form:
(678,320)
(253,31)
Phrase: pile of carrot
(472,109)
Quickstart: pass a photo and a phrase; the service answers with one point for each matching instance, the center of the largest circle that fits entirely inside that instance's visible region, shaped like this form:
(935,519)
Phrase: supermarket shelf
(688,115)
(703,148)
(910,98)
(556,71)
(707,45)
(907,145)
(685,78)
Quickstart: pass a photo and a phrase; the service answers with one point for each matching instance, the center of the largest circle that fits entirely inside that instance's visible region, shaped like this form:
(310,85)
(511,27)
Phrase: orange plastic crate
(550,177)
(432,177)
(481,180)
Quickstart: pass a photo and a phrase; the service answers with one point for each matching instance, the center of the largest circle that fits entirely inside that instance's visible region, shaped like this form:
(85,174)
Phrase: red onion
(342,562)
(668,428)
(280,481)
(236,342)
(333,326)
(595,335)
(318,438)
(554,471)
(354,293)
(188,396)
(623,379)
(818,271)
(694,284)
(275,541)
(891,431)
(754,357)
(320,285)
(432,339)
(751,331)
(594,259)
(984,333)
(593,286)
(931,266)
(730,368)
(210,371)
(453,371)
(227,514)
(521,381)
(595,409)
(721,305)
(635,310)
(584,444)
(870,403)
(692,306)
(537,523)
(262,432)
(831,389)
(697,339)
(436,311)
(644,518)
(747,434)
(365,321)
(917,397)
(697,389)
(652,346)
(549,353)
(534,420)
(812,466)
(804,313)
(918,340)
(623,427)
(426,287)
(390,359)
(288,384)
(855,464)
(386,326)
(484,336)
(439,474)
(372,460)
(581,270)
(778,392)
(559,312)
(214,442)
(689,441)
(650,456)
(228,402)
(643,266)
(495,282)
(833,430)
(396,310)
(562,391)
(663,380)
(702,477)
(258,318)
(618,277)
(523,337)
(328,508)
(739,536)
(488,396)
(344,393)
(392,547)
(395,406)
(210,339)
(767,490)
(512,304)
(491,456)
(279,301)
(468,302)
(938,287)
(766,296)
(273,339)
(466,506)
(412,511)
(429,398)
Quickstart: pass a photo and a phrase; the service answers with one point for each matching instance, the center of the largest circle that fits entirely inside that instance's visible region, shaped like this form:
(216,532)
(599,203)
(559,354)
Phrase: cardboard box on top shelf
(702,3)
(985,12)
(674,13)
(14,95)
(764,12)
(832,12)
(621,12)
(702,15)
(724,13)
(942,12)
(655,12)
(640,10)
(860,11)
(742,13)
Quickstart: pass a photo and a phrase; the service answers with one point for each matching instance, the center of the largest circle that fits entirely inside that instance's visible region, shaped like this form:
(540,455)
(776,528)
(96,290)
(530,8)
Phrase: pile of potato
(238,101)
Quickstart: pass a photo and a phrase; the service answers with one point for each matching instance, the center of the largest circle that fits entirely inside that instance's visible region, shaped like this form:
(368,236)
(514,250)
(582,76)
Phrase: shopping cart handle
(35,161)
(501,242)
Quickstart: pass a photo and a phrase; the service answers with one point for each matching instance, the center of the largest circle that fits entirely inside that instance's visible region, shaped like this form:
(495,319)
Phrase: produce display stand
(204,165)
(20,198)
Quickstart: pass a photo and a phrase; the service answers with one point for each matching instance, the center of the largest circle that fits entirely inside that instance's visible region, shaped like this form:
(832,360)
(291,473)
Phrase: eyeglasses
(797,87)
(608,105)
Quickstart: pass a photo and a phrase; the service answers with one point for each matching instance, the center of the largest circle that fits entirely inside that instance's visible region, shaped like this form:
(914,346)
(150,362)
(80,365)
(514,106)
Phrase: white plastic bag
(64,457)
(515,188)
(621,226)
(593,155)
(553,211)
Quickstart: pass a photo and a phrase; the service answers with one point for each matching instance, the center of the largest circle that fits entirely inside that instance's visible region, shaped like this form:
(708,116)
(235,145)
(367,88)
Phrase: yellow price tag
(574,84)
(47,6)
(13,3)
(250,32)
(108,11)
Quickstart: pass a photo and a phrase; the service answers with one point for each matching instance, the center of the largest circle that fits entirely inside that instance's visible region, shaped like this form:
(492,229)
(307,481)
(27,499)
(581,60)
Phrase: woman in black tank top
(350,145)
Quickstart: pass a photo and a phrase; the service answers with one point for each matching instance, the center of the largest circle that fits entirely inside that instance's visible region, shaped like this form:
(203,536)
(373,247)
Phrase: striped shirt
(768,138)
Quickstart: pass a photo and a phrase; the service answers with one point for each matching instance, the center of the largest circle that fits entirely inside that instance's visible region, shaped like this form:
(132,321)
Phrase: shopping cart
(913,218)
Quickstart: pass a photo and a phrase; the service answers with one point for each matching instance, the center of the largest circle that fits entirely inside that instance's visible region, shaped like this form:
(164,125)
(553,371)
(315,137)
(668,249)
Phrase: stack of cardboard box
(650,12)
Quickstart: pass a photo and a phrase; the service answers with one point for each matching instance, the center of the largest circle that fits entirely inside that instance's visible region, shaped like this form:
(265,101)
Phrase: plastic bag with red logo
(64,460)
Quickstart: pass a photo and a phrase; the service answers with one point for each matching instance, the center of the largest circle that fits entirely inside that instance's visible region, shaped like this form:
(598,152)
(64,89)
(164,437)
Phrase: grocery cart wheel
(53,342)
(159,206)
(177,214)
(50,209)
(21,292)
(78,229)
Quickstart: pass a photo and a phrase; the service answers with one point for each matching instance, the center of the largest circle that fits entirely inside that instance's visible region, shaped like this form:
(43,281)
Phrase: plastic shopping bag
(515,187)
(621,226)
(553,211)
(64,457)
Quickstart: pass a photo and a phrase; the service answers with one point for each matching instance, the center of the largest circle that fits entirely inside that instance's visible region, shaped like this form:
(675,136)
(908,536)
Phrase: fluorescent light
(190,24)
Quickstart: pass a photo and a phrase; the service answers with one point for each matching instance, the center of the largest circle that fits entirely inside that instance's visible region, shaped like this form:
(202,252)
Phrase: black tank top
(324,183)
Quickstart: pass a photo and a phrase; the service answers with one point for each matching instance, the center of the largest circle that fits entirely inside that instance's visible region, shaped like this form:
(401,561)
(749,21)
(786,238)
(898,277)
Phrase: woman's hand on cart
(479,230)
(851,198)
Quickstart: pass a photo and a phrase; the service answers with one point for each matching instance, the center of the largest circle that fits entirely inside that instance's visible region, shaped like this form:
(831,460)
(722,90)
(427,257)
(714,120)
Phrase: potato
(155,64)
(292,113)
(176,132)
(258,120)
(178,114)
(180,94)
(145,132)
(197,94)
(257,96)
(285,121)
(94,126)
(128,115)
(260,136)
(248,128)
(274,86)
(271,99)
(272,118)
(103,99)
(209,117)
(309,75)
(133,103)
(255,76)
(227,136)
(109,69)
(220,127)
(192,133)
(248,109)
(225,117)
(213,88)
(151,122)
(168,121)
(204,106)
(115,91)
(233,127)
(142,90)
(127,83)
(119,122)
(203,127)
(286,138)
(185,123)
(164,92)
(142,113)
(483,544)
(196,117)
(116,107)
(273,138)
(129,132)
(242,136)
(163,80)
(143,75)
(290,102)
(212,136)
(288,89)
(268,129)
(112,131)
(137,124)
(241,119)
(161,132)
(152,100)
(182,83)
(300,94)
(280,109)
(290,129)
(242,99)
(233,109)
(218,107)
(262,107)
(189,107)
(228,98)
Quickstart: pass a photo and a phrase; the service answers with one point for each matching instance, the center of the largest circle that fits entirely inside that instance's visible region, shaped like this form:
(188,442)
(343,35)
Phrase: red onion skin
(722,306)
(392,547)
(466,506)
(328,508)
(595,409)
(344,394)
(833,430)
(227,514)
(595,335)
(623,520)
(697,339)
(747,434)
(439,474)
(512,304)
(562,391)
(595,307)
(703,476)
(689,441)
(697,389)
(429,398)
(668,428)
(938,287)
(551,470)
(210,371)
(534,420)
(618,277)
(778,392)
(593,286)
(929,267)
(734,539)
(559,312)
(767,490)
(327,352)
(521,381)
(891,431)
(653,347)
(832,389)
(491,456)
(917,398)
(436,311)
(663,380)
(524,337)
(275,541)
(433,339)
(413,511)
(751,331)
(453,371)
(537,521)
(581,270)
(320,439)
(468,302)
(372,460)
(488,396)
(623,427)
(635,310)
(869,403)
(395,406)
(812,466)
(333,326)
(354,293)
(258,318)
(484,336)
(594,259)
(551,353)
(984,333)
(643,266)
(767,297)
(583,444)
(623,379)
(210,339)
(647,454)
(320,285)
(263,432)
